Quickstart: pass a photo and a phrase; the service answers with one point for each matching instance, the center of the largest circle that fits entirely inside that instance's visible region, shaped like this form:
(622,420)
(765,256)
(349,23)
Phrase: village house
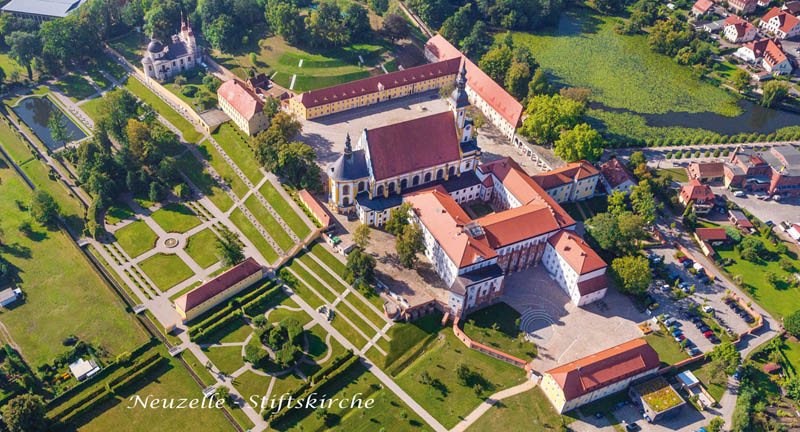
(707,172)
(766,53)
(244,107)
(609,371)
(774,172)
(201,299)
(710,237)
(576,181)
(738,30)
(161,62)
(576,267)
(780,23)
(616,176)
(738,218)
(742,6)
(368,91)
(702,7)
(700,195)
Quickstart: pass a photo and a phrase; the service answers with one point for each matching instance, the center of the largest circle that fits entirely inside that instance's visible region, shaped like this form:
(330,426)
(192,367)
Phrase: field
(222,168)
(131,46)
(169,381)
(236,145)
(318,250)
(446,399)
(585,51)
(175,218)
(117,212)
(188,131)
(678,174)
(265,218)
(523,412)
(240,220)
(227,359)
(276,200)
(193,169)
(136,238)
(166,271)
(668,350)
(506,338)
(76,87)
(63,295)
(201,248)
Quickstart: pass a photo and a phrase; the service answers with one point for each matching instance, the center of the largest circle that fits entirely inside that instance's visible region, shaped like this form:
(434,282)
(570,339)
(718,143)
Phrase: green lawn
(175,218)
(362,307)
(201,248)
(447,400)
(668,350)
(322,273)
(198,368)
(388,413)
(131,46)
(678,174)
(9,66)
(193,169)
(506,338)
(190,134)
(63,294)
(117,212)
(75,87)
(275,199)
(136,238)
(265,218)
(585,51)
(166,271)
(408,338)
(344,310)
(305,293)
(316,342)
(92,108)
(311,280)
(703,372)
(348,331)
(520,413)
(235,331)
(779,301)
(227,359)
(331,261)
(279,315)
(240,220)
(170,381)
(222,168)
(249,384)
(235,143)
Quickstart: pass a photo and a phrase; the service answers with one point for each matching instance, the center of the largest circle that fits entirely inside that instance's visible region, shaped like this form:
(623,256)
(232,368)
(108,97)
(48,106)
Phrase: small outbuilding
(772,368)
(9,295)
(82,369)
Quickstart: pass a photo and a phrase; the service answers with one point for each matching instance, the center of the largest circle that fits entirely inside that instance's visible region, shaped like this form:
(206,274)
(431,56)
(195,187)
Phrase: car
(705,280)
(728,301)
(689,343)
(674,276)
(705,328)
(682,259)
(708,334)
(769,223)
(739,194)
(666,287)
(694,351)
(749,320)
(677,333)
(678,339)
(742,313)
(632,427)
(665,317)
(708,309)
(669,322)
(722,210)
(687,264)
(714,340)
(736,375)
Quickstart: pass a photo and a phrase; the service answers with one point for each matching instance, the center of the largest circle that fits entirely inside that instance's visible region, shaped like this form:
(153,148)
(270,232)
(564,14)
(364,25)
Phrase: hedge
(193,330)
(260,301)
(322,373)
(218,324)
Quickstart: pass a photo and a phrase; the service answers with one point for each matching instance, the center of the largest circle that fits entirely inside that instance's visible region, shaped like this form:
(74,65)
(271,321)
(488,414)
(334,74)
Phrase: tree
(24,413)
(644,202)
(259,321)
(156,192)
(161,20)
(631,274)
(398,219)
(229,249)
(773,93)
(463,374)
(296,165)
(356,21)
(457,26)
(616,202)
(577,94)
(222,393)
(57,123)
(284,19)
(741,80)
(792,387)
(221,33)
(548,116)
(496,62)
(475,44)
(44,208)
(361,236)
(517,78)
(581,142)
(637,158)
(727,354)
(773,279)
(792,324)
(25,46)
(378,6)
(326,27)
(540,85)
(408,244)
(395,27)
(360,269)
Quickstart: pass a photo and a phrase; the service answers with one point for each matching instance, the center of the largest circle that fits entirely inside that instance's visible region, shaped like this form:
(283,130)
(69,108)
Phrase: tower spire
(348,149)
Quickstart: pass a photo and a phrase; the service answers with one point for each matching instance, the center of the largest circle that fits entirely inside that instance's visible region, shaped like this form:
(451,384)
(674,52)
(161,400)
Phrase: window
(415,180)
(427,177)
(346,190)
(403,184)
(361,186)
(452,171)
(380,190)
(391,187)
(439,174)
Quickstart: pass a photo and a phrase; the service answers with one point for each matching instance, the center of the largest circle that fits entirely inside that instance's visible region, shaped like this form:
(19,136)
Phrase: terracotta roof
(217,285)
(703,5)
(771,368)
(517,224)
(571,172)
(576,252)
(616,173)
(412,145)
(773,53)
(447,222)
(491,92)
(786,20)
(369,85)
(241,98)
(711,234)
(604,368)
(741,25)
(696,191)
(314,206)
(594,284)
(706,169)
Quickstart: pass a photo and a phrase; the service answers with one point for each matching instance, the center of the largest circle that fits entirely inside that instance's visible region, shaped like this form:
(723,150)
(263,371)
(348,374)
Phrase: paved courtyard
(562,331)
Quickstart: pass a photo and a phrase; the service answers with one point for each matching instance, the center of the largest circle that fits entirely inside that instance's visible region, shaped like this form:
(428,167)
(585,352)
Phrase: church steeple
(348,149)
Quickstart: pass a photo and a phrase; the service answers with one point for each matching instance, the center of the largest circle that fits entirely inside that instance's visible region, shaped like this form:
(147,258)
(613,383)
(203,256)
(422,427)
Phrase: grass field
(131,46)
(198,368)
(520,413)
(279,315)
(190,134)
(703,372)
(194,169)
(9,66)
(175,218)
(92,108)
(227,359)
(306,294)
(201,248)
(323,274)
(362,307)
(235,331)
(312,281)
(275,199)
(678,174)
(166,271)
(235,144)
(240,220)
(222,168)
(169,381)
(668,350)
(348,331)
(117,212)
(75,87)
(447,400)
(585,51)
(406,339)
(63,294)
(136,238)
(318,250)
(506,338)
(265,218)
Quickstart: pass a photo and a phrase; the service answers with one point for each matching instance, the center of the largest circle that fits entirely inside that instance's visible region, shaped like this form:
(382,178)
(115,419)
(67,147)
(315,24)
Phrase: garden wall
(489,351)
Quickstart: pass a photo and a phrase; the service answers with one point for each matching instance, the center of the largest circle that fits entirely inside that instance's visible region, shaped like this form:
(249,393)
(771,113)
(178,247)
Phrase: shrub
(669,155)
(189,91)
(716,152)
(726,152)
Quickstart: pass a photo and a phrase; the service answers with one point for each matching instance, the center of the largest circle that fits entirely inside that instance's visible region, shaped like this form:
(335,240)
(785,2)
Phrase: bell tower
(459,101)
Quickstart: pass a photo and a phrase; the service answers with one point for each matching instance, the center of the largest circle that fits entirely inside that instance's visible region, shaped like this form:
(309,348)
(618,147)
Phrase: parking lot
(705,295)
(766,210)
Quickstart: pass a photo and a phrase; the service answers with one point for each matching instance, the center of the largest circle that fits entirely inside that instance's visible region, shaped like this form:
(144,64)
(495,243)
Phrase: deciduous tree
(408,244)
(24,413)
(581,142)
(44,208)
(632,274)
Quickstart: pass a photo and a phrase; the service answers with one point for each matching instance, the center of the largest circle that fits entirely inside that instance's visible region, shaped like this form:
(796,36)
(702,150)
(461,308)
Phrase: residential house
(243,106)
(702,7)
(766,53)
(774,172)
(609,371)
(710,237)
(576,181)
(780,23)
(738,30)
(739,219)
(82,369)
(700,195)
(217,290)
(9,295)
(742,6)
(707,172)
(616,176)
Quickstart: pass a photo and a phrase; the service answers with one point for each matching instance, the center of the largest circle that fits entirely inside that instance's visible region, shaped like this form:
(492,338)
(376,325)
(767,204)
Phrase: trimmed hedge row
(232,304)
(322,373)
(261,300)
(218,324)
(274,417)
(701,139)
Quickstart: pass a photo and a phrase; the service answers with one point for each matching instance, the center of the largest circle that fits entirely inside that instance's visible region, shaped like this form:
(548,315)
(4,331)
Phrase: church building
(161,62)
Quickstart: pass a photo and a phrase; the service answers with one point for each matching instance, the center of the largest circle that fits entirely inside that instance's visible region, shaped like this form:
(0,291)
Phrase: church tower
(459,101)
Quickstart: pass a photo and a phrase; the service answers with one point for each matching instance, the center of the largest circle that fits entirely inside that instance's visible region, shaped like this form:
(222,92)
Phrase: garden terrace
(188,131)
(201,248)
(175,218)
(136,238)
(240,220)
(166,271)
(222,168)
(528,408)
(237,146)
(497,327)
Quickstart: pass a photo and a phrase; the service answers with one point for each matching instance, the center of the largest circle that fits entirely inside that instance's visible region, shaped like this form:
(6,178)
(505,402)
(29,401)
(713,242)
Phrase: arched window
(439,174)
(380,190)
(346,190)
(361,186)
(452,171)
(415,180)
(346,201)
(427,177)
(391,187)
(403,184)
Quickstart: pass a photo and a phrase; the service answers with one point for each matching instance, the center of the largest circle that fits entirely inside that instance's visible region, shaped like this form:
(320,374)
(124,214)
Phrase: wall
(489,351)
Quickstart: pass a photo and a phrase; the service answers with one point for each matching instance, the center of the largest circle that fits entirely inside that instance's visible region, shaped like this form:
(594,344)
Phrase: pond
(754,119)
(36,112)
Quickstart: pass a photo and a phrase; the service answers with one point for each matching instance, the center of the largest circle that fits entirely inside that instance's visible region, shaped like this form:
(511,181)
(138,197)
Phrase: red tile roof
(786,20)
(576,252)
(594,284)
(616,173)
(696,191)
(491,92)
(711,234)
(517,224)
(315,208)
(604,368)
(413,145)
(703,5)
(741,25)
(217,285)
(370,85)
(567,174)
(241,98)
(706,169)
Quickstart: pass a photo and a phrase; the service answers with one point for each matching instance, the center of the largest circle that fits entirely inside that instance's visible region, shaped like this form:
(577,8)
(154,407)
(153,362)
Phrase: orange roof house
(576,252)
(616,176)
(780,22)
(241,98)
(706,171)
(699,194)
(701,7)
(219,289)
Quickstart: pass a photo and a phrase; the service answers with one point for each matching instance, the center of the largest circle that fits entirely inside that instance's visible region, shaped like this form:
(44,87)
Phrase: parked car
(705,329)
(694,351)
(687,264)
(682,259)
(665,317)
(749,320)
(739,194)
(677,332)
(708,309)
(669,322)
(769,223)
(675,275)
(708,334)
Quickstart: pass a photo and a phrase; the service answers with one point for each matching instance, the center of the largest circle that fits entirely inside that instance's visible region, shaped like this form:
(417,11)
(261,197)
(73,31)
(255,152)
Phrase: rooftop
(711,234)
(616,173)
(658,394)
(241,98)
(217,285)
(51,8)
(786,20)
(566,174)
(696,191)
(380,203)
(576,252)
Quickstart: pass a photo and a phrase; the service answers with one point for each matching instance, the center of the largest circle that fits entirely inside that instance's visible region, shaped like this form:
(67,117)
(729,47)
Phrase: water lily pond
(36,113)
